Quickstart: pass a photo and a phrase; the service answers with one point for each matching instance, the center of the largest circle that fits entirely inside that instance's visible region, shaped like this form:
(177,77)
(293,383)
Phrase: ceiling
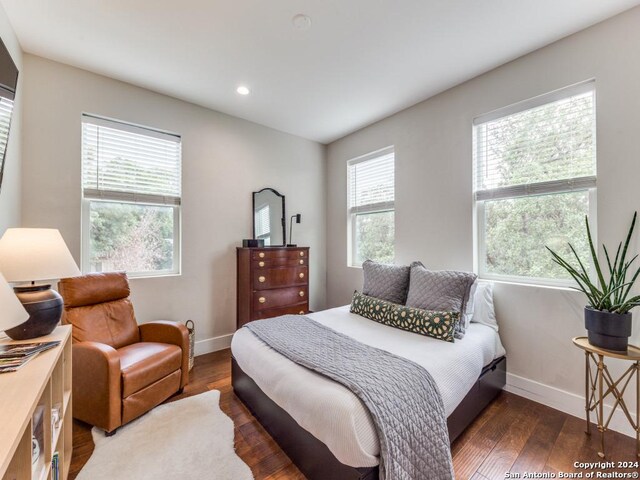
(360,61)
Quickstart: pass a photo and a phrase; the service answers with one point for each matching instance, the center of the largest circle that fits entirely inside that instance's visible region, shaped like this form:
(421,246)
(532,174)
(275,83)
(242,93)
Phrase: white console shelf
(29,393)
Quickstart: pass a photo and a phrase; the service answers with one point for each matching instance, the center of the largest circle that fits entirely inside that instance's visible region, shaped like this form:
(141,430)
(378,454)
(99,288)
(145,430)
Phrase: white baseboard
(212,344)
(566,402)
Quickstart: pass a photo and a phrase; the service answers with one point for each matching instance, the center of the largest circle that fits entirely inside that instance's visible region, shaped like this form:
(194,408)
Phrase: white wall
(10,204)
(434,191)
(224,160)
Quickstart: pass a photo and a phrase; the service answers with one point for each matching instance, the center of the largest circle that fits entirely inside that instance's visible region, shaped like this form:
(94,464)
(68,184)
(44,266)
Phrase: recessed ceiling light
(242,90)
(301,22)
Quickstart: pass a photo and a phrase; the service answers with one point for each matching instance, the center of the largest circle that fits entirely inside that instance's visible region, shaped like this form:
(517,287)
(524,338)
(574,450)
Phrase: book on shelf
(55,466)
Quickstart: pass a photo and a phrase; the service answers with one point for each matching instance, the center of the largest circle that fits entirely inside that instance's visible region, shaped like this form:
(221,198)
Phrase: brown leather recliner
(120,369)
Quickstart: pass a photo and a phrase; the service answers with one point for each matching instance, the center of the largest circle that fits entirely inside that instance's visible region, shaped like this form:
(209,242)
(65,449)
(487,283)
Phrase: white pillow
(483,311)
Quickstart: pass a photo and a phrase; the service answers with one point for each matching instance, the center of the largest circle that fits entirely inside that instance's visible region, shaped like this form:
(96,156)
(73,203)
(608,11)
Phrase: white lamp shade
(12,313)
(33,254)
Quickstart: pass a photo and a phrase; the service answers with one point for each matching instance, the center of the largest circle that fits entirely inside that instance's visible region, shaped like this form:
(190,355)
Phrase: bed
(323,427)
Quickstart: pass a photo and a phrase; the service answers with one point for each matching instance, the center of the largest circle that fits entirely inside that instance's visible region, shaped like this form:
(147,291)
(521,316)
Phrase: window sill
(154,275)
(132,276)
(562,288)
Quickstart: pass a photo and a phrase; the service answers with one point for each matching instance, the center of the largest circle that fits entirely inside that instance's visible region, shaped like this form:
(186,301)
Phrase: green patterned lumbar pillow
(440,325)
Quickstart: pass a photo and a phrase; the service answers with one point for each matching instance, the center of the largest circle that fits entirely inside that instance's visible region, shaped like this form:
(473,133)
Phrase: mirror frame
(284,215)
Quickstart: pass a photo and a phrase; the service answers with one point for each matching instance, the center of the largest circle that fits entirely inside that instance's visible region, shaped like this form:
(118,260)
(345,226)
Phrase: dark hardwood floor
(513,434)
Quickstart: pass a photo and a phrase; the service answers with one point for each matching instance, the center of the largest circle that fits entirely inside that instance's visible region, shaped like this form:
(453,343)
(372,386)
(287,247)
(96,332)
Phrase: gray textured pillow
(444,290)
(386,282)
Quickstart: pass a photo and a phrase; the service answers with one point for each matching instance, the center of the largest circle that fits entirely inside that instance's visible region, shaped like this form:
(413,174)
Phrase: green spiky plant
(613,295)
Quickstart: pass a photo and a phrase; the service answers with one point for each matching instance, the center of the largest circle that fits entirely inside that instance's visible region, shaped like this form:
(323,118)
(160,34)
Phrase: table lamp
(34,255)
(298,217)
(12,313)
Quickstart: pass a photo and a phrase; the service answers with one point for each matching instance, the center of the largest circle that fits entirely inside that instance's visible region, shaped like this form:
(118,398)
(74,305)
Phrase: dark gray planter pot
(608,330)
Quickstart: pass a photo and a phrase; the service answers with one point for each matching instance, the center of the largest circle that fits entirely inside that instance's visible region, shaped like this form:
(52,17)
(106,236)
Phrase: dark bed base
(314,459)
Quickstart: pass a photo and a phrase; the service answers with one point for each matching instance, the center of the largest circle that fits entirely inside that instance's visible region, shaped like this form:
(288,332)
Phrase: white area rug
(187,439)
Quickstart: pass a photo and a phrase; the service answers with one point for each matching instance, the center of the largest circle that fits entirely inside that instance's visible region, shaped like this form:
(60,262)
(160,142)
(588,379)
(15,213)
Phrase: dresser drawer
(298,309)
(280,297)
(280,254)
(265,278)
(279,262)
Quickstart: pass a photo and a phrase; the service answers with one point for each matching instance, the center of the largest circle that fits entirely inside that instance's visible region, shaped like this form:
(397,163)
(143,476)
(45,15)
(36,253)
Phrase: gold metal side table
(599,384)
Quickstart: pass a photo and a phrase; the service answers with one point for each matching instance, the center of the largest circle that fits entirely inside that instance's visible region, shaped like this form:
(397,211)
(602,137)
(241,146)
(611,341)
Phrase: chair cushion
(145,363)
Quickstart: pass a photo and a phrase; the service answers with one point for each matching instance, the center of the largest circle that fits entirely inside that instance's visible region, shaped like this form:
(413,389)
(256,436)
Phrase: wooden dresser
(272,281)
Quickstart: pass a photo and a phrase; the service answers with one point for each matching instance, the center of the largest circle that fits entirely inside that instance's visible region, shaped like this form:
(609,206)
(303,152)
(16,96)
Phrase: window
(371,207)
(131,179)
(535,181)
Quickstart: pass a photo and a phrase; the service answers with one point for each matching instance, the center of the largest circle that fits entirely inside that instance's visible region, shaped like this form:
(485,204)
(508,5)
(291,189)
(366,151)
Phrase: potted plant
(607,317)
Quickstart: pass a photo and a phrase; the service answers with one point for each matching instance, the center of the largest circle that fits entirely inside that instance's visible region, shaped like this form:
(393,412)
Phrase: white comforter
(331,412)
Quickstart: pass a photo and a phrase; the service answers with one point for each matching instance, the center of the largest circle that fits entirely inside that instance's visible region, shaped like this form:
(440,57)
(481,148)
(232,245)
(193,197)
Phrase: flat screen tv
(8,83)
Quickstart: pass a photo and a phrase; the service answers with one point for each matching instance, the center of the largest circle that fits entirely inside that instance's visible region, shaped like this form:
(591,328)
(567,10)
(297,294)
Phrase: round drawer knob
(262,299)
(301,293)
(301,312)
(301,275)
(261,254)
(302,254)
(301,262)
(261,279)
(261,264)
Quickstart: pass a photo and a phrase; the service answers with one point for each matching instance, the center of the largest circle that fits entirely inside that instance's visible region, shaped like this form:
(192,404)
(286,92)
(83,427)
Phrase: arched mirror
(268,217)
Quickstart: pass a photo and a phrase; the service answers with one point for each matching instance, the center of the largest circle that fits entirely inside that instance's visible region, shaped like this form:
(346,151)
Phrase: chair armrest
(164,331)
(174,333)
(97,396)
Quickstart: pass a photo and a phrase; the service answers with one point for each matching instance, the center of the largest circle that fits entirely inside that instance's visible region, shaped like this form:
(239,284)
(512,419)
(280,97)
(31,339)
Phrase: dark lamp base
(44,307)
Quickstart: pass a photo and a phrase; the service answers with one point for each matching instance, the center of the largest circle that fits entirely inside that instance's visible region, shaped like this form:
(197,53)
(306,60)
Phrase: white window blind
(542,146)
(371,182)
(122,162)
